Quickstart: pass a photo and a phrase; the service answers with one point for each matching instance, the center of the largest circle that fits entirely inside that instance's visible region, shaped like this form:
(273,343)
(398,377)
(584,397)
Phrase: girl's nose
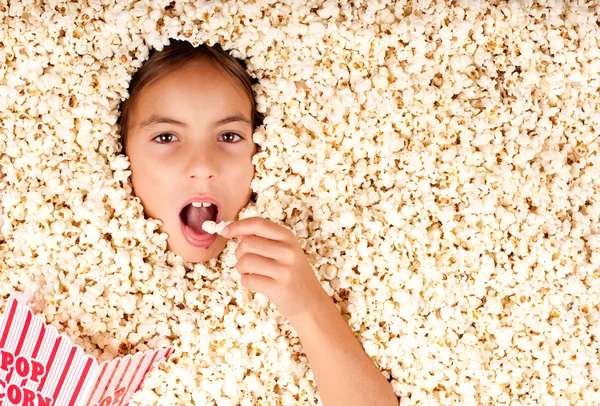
(201,163)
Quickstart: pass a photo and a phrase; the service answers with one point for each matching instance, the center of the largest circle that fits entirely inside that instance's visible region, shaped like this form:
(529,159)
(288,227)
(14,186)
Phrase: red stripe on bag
(98,380)
(9,320)
(38,344)
(81,382)
(124,372)
(64,373)
(49,363)
(147,370)
(20,344)
(135,374)
(115,367)
(24,333)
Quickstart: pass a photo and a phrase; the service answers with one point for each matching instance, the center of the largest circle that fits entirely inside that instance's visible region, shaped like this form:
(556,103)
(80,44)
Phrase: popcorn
(215,228)
(442,180)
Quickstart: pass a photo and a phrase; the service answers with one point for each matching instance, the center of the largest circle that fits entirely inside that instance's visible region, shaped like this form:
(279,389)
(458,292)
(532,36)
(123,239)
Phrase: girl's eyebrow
(232,119)
(156,119)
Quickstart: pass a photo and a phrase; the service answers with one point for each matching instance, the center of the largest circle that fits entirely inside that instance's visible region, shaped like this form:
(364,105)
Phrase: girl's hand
(272,262)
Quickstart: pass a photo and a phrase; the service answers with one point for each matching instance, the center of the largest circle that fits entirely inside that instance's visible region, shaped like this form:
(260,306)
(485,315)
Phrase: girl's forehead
(194,78)
(185,96)
(201,69)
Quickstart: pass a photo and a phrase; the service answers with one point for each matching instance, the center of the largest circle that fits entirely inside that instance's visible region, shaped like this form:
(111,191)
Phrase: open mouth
(195,214)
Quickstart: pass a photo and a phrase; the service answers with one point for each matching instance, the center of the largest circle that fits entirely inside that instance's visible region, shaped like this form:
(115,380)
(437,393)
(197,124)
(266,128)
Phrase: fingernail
(225,232)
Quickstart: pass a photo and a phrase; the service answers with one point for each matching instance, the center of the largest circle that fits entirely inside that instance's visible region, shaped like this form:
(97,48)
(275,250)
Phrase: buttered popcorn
(439,164)
(215,228)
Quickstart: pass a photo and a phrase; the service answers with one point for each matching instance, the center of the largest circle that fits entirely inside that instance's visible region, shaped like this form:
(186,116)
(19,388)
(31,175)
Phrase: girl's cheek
(159,160)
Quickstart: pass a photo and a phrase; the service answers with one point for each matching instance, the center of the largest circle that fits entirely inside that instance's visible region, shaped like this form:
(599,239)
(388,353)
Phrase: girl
(187,129)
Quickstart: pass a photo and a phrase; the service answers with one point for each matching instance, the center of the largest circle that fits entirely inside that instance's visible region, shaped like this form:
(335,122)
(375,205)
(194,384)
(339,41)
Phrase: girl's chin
(194,254)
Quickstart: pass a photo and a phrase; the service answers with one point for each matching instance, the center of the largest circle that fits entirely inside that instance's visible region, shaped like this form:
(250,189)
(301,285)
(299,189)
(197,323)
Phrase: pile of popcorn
(439,164)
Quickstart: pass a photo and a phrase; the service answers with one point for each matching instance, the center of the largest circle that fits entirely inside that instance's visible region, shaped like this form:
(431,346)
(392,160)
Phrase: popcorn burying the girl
(187,129)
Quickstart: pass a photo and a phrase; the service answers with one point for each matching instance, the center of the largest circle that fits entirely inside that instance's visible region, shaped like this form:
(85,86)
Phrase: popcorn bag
(40,367)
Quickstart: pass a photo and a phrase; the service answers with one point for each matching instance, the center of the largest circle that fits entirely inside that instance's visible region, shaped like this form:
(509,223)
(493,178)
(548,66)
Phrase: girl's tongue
(193,217)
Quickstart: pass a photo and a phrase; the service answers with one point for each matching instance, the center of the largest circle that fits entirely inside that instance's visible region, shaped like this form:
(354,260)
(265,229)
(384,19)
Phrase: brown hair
(174,56)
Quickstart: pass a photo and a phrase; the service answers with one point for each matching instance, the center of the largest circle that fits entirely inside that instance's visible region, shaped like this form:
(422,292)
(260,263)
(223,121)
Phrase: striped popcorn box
(40,367)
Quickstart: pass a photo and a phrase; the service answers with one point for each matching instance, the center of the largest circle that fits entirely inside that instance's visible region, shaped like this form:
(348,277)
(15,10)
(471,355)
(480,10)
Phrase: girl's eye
(229,137)
(164,138)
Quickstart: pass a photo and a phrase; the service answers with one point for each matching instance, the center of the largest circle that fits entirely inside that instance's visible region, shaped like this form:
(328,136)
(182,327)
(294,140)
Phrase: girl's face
(190,138)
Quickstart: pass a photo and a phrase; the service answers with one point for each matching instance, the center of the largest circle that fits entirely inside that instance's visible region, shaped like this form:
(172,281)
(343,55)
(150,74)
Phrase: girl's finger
(259,283)
(258,226)
(258,265)
(252,244)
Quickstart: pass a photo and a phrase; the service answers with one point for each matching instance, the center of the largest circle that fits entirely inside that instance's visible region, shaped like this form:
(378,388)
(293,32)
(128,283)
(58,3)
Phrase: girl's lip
(203,242)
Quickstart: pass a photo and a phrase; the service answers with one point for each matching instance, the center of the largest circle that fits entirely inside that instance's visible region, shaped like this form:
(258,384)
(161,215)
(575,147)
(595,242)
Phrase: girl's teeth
(201,204)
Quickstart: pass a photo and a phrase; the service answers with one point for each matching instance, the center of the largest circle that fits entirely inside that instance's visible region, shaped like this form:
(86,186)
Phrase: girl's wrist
(321,309)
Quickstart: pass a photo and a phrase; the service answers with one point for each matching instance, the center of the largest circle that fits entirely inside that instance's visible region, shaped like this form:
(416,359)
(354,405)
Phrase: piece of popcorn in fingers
(215,228)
